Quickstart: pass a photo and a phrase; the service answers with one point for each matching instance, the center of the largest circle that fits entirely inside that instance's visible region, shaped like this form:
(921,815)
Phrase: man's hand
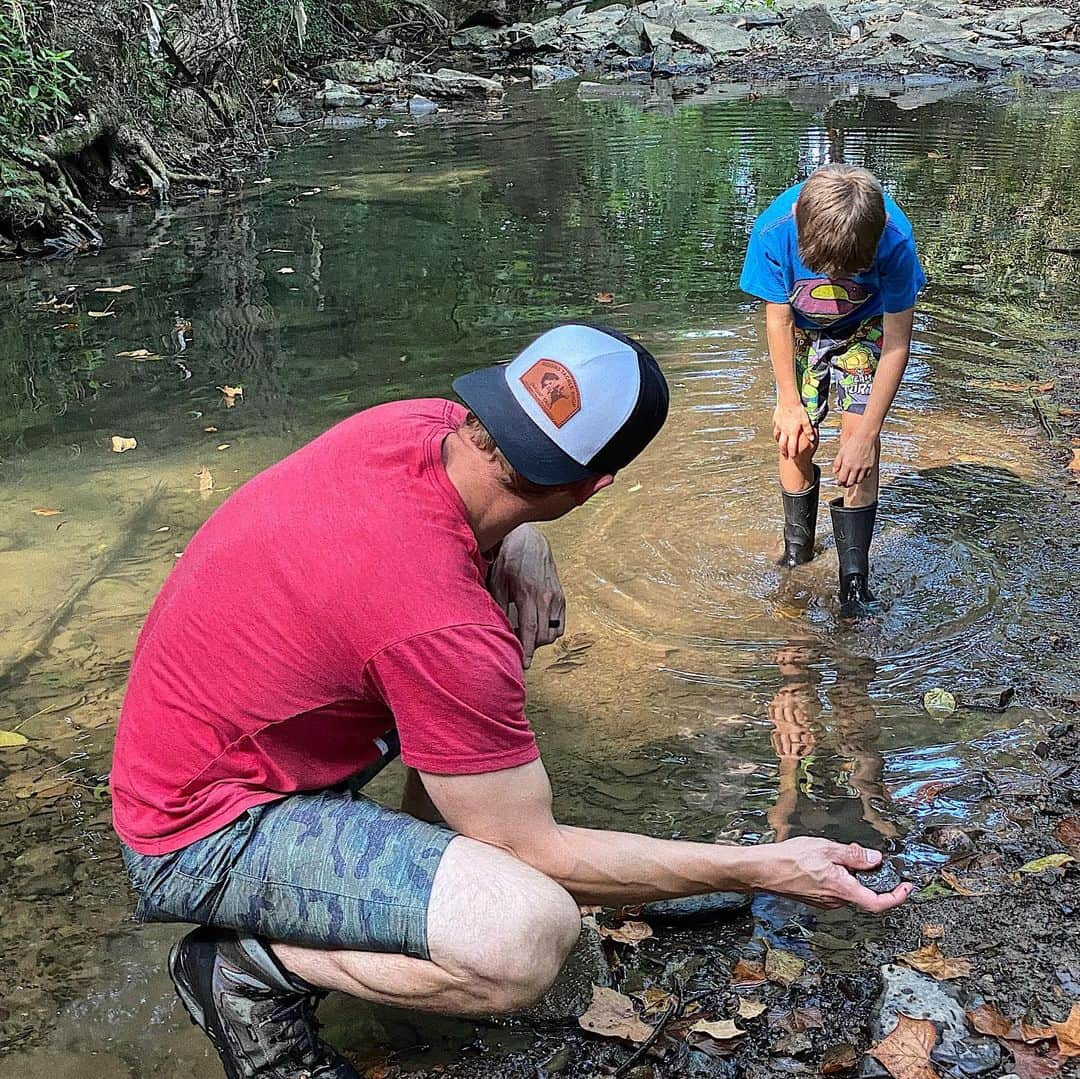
(793,431)
(815,871)
(856,460)
(524,574)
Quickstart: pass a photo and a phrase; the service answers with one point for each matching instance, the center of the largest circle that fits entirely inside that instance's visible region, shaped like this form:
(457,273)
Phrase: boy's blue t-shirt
(773,271)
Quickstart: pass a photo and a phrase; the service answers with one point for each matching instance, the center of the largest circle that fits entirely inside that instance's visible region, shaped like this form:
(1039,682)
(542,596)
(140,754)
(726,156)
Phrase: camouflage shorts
(851,359)
(330,869)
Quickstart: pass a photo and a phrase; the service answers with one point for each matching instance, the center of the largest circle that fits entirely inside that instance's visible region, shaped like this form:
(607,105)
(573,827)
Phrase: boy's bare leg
(797,473)
(866,492)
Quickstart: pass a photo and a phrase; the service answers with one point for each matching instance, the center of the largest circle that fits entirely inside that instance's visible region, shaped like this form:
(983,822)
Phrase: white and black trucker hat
(579,401)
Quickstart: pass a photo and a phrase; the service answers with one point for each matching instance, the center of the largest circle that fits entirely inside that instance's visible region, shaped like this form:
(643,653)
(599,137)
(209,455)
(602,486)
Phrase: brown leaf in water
(1074,464)
(122,445)
(747,972)
(224,445)
(932,931)
(957,885)
(612,1015)
(655,1001)
(838,1058)
(905,1053)
(750,1009)
(206,480)
(1068,1034)
(138,354)
(929,960)
(783,967)
(1067,833)
(230,394)
(627,933)
(989,1019)
(1030,1063)
(116,288)
(1020,387)
(44,511)
(799,1020)
(210,430)
(722,1030)
(605,297)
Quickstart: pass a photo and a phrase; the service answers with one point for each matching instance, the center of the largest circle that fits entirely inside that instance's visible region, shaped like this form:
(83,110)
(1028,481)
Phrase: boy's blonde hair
(840,216)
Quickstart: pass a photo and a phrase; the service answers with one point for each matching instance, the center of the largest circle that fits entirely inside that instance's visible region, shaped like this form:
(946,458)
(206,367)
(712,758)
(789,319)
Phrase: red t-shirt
(335,596)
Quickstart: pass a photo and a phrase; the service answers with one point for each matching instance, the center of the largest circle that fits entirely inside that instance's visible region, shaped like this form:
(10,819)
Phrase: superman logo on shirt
(825,300)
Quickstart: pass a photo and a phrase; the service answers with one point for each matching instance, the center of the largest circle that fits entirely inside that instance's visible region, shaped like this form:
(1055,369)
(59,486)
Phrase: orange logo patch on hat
(553,388)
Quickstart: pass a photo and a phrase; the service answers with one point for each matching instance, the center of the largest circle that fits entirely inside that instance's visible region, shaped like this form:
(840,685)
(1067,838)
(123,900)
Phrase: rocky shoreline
(694,44)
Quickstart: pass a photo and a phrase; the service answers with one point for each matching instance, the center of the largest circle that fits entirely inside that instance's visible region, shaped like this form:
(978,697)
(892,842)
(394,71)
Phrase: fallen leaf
(906,1051)
(1068,1034)
(1029,1062)
(1067,833)
(939,702)
(655,1001)
(838,1058)
(612,1015)
(286,269)
(224,445)
(957,885)
(122,445)
(634,490)
(101,314)
(747,972)
(11,739)
(43,511)
(750,1009)
(1074,464)
(264,180)
(404,134)
(206,480)
(783,967)
(929,960)
(799,1020)
(605,297)
(989,1019)
(116,288)
(1051,861)
(932,931)
(722,1030)
(231,393)
(210,430)
(1020,387)
(627,933)
(138,354)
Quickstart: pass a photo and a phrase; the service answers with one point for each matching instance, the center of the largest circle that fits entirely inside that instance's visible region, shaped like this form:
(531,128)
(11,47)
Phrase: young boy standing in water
(834,260)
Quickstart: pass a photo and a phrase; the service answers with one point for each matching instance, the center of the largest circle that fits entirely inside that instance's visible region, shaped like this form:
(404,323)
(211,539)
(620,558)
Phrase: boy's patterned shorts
(851,359)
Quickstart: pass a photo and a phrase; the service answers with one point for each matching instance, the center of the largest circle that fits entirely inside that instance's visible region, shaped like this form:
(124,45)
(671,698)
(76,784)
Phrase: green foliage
(36,83)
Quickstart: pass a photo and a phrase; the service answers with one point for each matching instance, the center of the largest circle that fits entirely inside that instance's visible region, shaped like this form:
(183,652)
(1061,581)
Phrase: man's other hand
(524,574)
(820,872)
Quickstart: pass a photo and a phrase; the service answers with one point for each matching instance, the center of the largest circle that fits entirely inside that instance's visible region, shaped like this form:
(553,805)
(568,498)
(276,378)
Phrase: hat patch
(554,389)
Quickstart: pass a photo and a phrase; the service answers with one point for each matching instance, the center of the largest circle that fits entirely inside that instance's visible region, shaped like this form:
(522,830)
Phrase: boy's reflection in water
(825,739)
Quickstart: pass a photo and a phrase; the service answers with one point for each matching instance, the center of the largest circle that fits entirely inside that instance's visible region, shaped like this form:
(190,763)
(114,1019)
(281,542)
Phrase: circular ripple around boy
(834,260)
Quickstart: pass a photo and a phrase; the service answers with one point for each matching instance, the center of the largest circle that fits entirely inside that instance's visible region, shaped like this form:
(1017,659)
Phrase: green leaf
(34,91)
(1051,861)
(10,739)
(939,702)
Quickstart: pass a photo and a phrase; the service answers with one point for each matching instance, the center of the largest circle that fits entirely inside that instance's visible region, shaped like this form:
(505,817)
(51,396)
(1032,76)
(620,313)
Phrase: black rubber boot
(261,1021)
(853,528)
(800,523)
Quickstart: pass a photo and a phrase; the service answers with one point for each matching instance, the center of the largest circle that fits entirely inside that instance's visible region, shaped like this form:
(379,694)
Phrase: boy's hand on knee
(855,461)
(793,431)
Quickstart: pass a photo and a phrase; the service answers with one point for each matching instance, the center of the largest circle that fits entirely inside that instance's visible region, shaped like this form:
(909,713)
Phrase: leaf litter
(930,960)
(905,1052)
(612,1015)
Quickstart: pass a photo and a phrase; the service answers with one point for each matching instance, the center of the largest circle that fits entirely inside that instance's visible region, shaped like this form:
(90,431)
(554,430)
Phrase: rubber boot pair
(853,529)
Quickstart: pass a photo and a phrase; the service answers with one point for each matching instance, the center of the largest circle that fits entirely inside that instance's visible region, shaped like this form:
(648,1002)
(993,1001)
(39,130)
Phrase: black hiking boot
(262,1023)
(853,528)
(800,523)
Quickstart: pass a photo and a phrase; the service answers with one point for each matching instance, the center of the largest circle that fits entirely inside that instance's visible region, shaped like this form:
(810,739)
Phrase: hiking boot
(261,1021)
(800,523)
(853,528)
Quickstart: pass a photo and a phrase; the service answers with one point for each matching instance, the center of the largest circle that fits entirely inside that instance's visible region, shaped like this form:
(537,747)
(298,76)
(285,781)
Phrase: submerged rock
(920,997)
(695,909)
(572,992)
(422,106)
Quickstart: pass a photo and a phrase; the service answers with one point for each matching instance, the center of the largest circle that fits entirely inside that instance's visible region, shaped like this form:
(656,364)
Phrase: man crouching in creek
(339,604)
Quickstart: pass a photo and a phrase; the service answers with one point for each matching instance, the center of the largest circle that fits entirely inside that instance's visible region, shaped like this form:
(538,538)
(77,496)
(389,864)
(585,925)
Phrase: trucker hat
(579,401)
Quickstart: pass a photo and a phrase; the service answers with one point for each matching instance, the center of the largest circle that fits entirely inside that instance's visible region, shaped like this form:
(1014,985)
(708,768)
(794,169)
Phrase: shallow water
(414,258)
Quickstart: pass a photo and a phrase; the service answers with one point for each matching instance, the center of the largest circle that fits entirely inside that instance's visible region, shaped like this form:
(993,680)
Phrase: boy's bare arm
(791,423)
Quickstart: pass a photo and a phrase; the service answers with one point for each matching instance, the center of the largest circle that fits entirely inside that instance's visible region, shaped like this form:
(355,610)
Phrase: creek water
(375,264)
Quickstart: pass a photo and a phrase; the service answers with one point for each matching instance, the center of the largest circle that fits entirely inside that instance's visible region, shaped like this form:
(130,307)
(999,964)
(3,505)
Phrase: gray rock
(549,74)
(674,63)
(814,23)
(1067,57)
(883,879)
(696,909)
(965,55)
(480,37)
(656,33)
(339,95)
(361,72)
(1031,22)
(288,116)
(920,997)
(1026,56)
(611,91)
(924,29)
(629,38)
(446,82)
(422,106)
(535,37)
(718,37)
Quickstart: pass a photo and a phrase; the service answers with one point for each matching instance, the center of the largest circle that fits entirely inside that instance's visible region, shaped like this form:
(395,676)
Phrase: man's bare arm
(511,809)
